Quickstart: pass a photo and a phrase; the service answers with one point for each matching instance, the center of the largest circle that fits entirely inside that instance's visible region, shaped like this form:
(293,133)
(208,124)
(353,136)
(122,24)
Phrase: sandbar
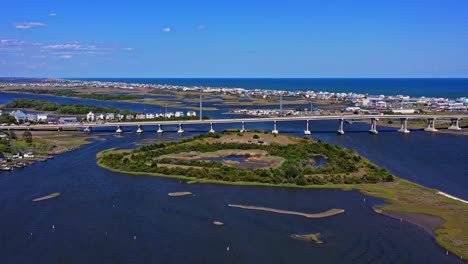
(179,193)
(50,196)
(327,213)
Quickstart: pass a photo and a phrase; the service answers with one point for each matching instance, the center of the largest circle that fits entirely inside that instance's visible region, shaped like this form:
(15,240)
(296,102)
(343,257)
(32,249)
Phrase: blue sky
(293,38)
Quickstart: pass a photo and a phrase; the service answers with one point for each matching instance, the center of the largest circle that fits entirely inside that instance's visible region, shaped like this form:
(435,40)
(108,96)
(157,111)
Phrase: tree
(27,136)
(13,135)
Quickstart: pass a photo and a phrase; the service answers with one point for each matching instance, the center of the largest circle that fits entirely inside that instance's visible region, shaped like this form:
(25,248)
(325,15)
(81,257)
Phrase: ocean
(443,87)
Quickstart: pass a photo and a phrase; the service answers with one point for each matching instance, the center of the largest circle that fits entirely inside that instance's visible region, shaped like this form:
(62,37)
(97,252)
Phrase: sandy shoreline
(328,213)
(452,197)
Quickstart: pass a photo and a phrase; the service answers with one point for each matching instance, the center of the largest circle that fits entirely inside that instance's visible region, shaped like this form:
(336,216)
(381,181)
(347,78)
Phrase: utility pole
(201,108)
(281,104)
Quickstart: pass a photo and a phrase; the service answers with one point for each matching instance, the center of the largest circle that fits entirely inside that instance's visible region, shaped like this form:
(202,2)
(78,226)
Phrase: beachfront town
(352,102)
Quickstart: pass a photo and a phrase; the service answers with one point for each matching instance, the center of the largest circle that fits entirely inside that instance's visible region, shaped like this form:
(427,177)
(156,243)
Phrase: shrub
(256,136)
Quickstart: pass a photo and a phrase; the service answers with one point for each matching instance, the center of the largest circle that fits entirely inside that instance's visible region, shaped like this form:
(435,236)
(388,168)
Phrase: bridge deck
(234,120)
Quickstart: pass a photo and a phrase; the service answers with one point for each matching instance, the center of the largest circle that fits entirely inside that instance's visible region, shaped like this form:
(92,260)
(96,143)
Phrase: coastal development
(254,153)
(233,132)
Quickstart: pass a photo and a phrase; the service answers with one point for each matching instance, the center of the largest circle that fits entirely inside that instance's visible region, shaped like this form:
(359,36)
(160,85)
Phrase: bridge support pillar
(140,129)
(119,130)
(243,128)
(307,131)
(404,126)
(211,128)
(454,124)
(373,129)
(160,130)
(180,131)
(340,127)
(87,130)
(274,131)
(431,125)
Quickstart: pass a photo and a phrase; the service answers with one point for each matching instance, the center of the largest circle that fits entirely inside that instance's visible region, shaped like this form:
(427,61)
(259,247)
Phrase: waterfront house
(68,120)
(42,117)
(19,115)
(90,117)
(99,116)
(129,117)
(28,155)
(1,112)
(16,157)
(140,116)
(120,116)
(110,116)
(31,117)
(191,113)
(150,116)
(169,115)
(179,114)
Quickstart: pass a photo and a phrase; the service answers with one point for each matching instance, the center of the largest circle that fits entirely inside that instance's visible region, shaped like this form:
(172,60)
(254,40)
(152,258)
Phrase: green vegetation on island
(71,93)
(69,109)
(264,159)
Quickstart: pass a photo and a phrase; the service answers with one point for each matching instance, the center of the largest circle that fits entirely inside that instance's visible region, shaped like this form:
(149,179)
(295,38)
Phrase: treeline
(70,93)
(69,109)
(343,165)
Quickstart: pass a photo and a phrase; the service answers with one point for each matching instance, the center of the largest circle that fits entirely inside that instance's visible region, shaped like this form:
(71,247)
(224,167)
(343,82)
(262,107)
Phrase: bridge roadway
(373,118)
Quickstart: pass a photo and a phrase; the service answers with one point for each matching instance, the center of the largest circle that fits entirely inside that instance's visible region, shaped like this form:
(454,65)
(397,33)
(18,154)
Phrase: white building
(179,114)
(19,115)
(42,117)
(140,116)
(191,113)
(31,117)
(381,104)
(150,116)
(110,116)
(456,107)
(99,116)
(28,155)
(90,117)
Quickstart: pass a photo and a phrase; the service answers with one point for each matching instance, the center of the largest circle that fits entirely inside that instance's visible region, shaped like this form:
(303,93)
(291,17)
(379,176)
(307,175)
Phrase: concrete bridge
(87,127)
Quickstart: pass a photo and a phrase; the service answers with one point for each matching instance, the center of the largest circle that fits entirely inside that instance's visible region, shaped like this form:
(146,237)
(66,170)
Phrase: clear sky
(235,38)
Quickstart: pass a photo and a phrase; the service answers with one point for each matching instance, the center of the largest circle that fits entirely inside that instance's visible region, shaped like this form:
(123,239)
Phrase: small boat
(6,168)
(20,165)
